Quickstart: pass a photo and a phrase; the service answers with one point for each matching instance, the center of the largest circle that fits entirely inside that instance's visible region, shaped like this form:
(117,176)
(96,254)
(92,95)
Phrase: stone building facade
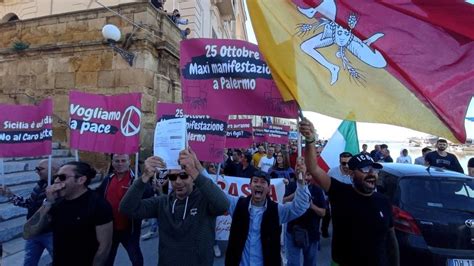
(66,50)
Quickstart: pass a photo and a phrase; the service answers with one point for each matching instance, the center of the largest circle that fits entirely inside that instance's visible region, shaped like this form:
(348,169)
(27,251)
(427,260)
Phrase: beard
(367,185)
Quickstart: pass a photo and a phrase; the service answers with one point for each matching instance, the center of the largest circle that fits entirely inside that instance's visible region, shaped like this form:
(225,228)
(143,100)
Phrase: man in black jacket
(126,231)
(35,246)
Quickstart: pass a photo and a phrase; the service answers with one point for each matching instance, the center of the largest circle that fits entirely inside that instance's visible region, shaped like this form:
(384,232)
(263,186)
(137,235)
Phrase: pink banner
(102,123)
(274,134)
(239,133)
(206,134)
(229,77)
(26,130)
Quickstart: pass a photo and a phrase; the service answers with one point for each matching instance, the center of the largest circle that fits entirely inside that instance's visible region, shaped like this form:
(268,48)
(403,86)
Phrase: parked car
(433,211)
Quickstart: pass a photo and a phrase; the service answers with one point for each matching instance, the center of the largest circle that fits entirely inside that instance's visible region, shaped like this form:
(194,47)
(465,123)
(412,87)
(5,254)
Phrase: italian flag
(344,139)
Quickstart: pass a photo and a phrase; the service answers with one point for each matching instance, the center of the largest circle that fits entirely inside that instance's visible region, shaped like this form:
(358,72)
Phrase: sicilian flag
(407,62)
(344,139)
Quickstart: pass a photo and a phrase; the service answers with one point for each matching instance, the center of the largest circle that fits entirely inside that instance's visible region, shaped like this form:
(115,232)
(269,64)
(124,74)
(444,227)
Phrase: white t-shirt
(266,163)
(404,159)
(336,173)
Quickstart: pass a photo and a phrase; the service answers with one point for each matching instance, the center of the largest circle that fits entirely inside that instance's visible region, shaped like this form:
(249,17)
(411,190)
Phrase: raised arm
(218,202)
(321,177)
(41,220)
(292,210)
(132,203)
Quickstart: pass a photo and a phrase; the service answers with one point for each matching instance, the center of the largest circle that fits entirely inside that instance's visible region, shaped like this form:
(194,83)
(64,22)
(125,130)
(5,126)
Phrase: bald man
(34,247)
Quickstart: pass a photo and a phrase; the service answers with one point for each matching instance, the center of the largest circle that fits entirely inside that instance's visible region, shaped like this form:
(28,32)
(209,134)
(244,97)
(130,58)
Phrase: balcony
(226,8)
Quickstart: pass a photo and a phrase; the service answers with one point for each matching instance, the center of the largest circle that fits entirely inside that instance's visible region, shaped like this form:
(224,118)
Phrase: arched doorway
(10,17)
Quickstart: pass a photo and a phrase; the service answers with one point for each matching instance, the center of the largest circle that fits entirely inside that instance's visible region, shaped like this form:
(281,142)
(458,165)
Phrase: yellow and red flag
(407,62)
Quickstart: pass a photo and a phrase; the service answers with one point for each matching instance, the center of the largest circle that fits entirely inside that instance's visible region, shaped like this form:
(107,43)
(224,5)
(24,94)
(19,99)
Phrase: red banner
(26,130)
(215,71)
(102,123)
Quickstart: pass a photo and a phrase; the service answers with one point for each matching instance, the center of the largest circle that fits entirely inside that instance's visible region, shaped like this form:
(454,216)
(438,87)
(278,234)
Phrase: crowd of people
(67,216)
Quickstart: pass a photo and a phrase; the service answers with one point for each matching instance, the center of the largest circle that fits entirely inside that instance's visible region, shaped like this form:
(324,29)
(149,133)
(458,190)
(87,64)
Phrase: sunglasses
(369,169)
(344,163)
(63,177)
(39,169)
(173,177)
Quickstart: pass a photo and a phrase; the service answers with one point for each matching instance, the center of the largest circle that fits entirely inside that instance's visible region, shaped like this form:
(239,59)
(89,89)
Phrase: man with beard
(441,158)
(363,232)
(80,219)
(254,238)
(186,217)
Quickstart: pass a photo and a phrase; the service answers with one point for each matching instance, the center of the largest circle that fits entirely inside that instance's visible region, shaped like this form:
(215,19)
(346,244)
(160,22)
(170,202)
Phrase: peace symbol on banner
(127,126)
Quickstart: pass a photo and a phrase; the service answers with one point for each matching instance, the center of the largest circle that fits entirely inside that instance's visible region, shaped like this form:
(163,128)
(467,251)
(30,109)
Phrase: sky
(326,125)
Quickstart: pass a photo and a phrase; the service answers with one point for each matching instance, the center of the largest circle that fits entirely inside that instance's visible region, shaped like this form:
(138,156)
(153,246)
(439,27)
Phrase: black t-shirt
(247,172)
(309,220)
(73,223)
(360,226)
(449,161)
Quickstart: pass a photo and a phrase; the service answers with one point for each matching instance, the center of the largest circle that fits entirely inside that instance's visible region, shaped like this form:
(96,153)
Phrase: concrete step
(9,211)
(30,164)
(54,153)
(20,178)
(11,229)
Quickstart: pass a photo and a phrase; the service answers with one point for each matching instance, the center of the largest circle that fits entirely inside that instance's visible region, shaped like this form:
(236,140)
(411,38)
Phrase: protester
(363,232)
(364,150)
(185,33)
(282,168)
(277,149)
(293,154)
(176,18)
(126,231)
(35,246)
(384,156)
(256,222)
(233,163)
(246,169)
(404,157)
(375,153)
(186,217)
(441,158)
(258,155)
(268,161)
(470,167)
(80,219)
(342,174)
(302,234)
(421,160)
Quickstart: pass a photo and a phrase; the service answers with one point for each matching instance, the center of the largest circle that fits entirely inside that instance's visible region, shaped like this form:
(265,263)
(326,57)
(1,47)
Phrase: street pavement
(150,253)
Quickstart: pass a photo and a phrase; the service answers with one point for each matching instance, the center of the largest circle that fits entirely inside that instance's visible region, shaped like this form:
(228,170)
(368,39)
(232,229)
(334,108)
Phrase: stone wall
(67,51)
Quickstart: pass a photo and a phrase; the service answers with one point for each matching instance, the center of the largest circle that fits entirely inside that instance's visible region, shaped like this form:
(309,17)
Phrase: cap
(262,174)
(361,160)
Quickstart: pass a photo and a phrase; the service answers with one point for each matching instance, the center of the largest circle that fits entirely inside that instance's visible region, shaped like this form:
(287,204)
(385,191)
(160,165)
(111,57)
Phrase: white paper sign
(170,139)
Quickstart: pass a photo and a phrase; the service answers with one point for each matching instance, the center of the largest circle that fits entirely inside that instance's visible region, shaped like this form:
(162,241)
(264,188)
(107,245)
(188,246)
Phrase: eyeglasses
(63,177)
(39,169)
(369,169)
(173,177)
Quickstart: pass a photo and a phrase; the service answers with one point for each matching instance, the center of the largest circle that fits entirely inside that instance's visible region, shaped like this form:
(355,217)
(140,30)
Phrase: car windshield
(456,194)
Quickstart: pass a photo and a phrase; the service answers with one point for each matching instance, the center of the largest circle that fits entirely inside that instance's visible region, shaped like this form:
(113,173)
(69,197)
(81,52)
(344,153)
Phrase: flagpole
(76,155)
(136,164)
(2,173)
(49,169)
(218,172)
(299,119)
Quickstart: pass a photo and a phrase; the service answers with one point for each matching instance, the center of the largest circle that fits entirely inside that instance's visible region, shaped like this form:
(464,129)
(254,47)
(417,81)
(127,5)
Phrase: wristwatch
(47,203)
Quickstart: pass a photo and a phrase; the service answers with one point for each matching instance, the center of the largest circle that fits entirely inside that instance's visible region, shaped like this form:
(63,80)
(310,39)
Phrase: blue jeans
(35,246)
(131,242)
(293,254)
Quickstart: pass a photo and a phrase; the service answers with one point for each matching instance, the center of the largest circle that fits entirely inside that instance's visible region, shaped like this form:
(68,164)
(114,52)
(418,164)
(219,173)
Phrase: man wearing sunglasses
(126,231)
(256,221)
(80,219)
(363,232)
(186,217)
(34,247)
